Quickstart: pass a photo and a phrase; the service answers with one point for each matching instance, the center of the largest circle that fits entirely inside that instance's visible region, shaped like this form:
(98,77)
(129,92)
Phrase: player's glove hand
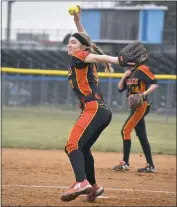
(135,100)
(133,54)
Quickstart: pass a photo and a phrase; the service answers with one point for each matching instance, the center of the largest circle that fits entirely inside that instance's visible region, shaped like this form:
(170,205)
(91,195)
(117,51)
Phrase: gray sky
(39,15)
(42,15)
(50,16)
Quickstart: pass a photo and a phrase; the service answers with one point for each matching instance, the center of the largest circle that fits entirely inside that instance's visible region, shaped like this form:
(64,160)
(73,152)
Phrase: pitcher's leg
(89,166)
(89,160)
(80,132)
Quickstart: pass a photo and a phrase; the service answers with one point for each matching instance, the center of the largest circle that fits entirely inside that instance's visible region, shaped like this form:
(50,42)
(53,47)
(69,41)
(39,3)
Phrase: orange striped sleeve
(81,55)
(146,70)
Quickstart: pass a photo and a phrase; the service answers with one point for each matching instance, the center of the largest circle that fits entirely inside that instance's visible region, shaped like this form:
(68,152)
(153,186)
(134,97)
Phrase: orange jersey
(139,80)
(83,77)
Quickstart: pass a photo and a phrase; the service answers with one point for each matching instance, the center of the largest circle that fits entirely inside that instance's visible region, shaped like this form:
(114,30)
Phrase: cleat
(96,191)
(76,190)
(147,169)
(121,167)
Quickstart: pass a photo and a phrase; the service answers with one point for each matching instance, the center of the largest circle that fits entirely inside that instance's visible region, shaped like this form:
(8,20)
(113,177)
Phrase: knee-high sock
(126,150)
(89,167)
(147,150)
(77,161)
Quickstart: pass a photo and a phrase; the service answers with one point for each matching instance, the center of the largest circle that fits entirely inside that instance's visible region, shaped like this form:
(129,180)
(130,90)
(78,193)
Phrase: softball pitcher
(95,115)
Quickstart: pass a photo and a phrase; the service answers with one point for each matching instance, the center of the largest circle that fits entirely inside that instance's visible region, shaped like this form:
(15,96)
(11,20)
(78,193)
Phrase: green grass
(48,128)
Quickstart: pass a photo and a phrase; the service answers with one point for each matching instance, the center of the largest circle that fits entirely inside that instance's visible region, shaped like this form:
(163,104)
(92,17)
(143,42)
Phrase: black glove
(133,53)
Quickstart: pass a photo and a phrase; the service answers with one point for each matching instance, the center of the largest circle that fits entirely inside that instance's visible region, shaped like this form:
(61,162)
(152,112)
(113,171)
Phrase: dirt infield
(39,177)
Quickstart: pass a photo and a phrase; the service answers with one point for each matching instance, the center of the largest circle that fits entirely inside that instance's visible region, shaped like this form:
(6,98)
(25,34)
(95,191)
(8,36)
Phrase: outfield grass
(48,128)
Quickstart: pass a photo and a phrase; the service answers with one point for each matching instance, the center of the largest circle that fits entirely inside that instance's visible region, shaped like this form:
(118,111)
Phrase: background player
(137,80)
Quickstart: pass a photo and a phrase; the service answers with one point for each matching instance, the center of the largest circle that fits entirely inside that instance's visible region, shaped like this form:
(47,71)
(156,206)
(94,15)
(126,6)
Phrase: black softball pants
(95,117)
(136,121)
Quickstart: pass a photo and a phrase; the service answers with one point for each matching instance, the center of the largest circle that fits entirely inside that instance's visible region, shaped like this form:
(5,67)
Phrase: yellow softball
(73,9)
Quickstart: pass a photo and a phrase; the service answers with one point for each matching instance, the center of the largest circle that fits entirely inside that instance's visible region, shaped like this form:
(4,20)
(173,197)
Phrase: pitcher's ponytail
(107,66)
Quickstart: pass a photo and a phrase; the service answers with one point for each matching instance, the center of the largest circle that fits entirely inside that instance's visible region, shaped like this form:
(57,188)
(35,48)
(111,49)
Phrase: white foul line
(112,189)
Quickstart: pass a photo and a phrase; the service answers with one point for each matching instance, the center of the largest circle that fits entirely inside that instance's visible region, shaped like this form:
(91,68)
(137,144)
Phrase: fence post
(43,87)
(167,102)
(30,82)
(2,85)
(109,98)
(56,92)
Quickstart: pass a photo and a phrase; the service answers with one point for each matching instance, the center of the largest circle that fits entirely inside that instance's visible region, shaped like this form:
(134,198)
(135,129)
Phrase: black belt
(89,98)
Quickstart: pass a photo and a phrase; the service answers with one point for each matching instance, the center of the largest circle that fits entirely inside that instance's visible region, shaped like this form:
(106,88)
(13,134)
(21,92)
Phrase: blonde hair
(93,48)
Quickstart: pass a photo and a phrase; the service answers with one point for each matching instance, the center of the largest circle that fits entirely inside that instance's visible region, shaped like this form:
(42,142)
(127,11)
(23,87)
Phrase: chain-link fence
(30,90)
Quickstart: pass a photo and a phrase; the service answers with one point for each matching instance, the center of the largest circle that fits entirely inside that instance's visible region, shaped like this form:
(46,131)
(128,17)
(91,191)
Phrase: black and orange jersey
(83,77)
(139,80)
